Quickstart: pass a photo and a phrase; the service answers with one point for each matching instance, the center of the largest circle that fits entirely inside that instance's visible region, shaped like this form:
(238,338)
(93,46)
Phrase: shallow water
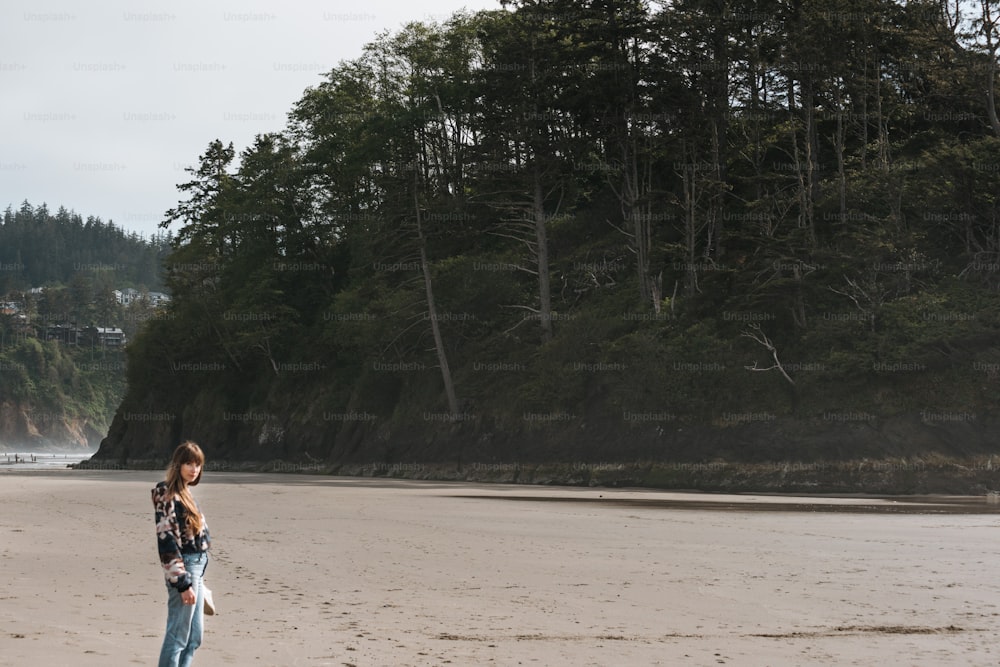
(40,460)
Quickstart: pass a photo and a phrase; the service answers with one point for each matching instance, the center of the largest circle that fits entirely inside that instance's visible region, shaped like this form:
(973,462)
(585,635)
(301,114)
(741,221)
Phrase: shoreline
(33,460)
(652,498)
(891,476)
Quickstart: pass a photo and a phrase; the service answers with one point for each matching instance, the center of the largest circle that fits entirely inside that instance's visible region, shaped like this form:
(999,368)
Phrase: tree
(530,141)
(202,214)
(987,42)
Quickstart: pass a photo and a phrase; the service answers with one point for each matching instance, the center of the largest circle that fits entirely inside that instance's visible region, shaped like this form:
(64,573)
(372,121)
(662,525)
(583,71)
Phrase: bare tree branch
(754,333)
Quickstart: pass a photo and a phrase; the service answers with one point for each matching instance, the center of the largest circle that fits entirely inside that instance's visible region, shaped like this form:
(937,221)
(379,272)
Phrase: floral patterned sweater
(172,541)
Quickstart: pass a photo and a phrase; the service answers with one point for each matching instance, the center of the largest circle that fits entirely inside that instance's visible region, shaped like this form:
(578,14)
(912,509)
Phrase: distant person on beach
(183,542)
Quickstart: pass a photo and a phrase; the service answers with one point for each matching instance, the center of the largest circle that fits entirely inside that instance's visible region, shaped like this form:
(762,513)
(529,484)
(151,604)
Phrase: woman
(183,541)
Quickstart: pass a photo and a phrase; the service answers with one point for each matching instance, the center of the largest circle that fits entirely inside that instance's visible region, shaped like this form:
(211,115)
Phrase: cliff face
(23,427)
(302,430)
(901,455)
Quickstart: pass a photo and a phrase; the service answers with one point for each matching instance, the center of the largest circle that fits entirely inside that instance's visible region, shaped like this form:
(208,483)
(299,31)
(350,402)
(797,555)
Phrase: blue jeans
(184,621)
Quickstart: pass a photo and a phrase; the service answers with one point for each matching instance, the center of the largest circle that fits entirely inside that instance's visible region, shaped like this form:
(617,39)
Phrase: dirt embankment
(28,428)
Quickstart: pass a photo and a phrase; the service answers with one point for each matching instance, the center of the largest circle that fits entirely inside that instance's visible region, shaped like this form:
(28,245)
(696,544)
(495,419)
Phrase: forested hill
(586,231)
(59,385)
(38,248)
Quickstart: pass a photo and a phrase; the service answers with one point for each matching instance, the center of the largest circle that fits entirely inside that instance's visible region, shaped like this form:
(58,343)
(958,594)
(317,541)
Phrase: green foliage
(683,186)
(53,379)
(38,248)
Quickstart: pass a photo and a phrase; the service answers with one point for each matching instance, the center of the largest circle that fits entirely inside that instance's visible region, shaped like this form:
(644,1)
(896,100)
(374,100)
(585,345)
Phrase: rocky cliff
(912,453)
(22,427)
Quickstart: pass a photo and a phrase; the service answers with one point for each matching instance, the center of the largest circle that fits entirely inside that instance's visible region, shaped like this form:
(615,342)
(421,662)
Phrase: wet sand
(346,571)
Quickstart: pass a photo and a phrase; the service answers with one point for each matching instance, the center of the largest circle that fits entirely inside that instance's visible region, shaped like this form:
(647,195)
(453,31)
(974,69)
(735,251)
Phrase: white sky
(104,102)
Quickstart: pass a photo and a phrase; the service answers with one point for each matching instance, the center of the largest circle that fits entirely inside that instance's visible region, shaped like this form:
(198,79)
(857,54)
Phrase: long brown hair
(186,452)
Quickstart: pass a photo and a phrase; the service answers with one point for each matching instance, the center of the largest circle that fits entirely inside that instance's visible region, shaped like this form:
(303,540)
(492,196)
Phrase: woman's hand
(188,596)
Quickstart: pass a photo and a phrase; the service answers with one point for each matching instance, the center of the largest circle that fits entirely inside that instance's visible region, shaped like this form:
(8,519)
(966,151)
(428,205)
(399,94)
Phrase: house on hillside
(126,296)
(104,337)
(64,333)
(129,295)
(158,299)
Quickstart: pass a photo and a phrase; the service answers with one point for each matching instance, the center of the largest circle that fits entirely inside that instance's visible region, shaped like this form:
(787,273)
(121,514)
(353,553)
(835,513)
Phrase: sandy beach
(311,570)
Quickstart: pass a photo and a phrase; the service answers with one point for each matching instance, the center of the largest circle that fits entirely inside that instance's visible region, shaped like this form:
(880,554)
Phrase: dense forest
(599,231)
(39,248)
(56,389)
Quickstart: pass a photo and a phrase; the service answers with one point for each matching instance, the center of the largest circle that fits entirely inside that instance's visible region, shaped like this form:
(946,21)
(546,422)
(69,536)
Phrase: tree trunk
(989,27)
(838,144)
(720,131)
(633,187)
(864,118)
(883,130)
(991,105)
(449,387)
(542,254)
(690,184)
(811,184)
(801,178)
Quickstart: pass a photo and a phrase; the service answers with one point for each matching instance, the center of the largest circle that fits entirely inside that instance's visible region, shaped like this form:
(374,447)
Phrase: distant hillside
(39,248)
(58,388)
(55,396)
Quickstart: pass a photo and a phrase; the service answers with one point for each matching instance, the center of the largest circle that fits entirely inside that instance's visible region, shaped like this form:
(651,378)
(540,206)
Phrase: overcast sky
(103,103)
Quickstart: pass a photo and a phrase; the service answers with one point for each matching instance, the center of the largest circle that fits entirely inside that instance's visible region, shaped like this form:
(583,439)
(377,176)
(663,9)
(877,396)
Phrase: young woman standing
(183,542)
